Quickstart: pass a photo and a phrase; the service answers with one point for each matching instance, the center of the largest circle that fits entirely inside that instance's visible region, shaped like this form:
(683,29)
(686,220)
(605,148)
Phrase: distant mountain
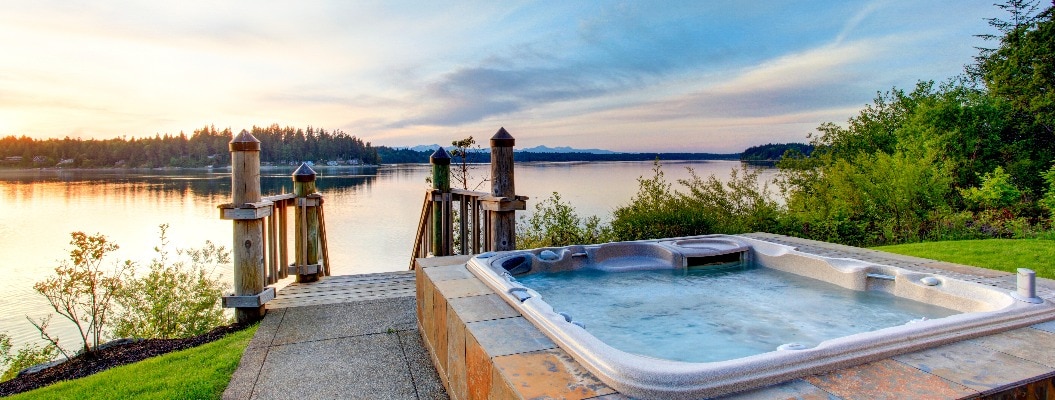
(424,147)
(565,149)
(537,149)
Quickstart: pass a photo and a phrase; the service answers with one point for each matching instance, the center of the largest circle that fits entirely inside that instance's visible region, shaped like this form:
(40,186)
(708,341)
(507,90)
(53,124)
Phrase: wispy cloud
(634,73)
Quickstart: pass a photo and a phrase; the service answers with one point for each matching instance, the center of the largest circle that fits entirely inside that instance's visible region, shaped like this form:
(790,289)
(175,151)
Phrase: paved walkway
(345,337)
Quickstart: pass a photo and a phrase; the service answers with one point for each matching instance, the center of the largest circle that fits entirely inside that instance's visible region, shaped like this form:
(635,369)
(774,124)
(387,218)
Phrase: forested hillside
(774,152)
(204,147)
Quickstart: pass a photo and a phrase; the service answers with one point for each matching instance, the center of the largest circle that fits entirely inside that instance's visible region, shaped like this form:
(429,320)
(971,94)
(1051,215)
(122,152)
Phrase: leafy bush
(82,292)
(996,191)
(177,298)
(1048,201)
(27,356)
(555,223)
(706,206)
(655,212)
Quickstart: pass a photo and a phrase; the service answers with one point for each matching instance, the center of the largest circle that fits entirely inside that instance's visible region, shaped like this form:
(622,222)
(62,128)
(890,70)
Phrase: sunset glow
(692,76)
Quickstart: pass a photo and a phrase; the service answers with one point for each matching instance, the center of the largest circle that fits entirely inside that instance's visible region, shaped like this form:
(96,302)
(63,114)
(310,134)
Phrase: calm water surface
(371,214)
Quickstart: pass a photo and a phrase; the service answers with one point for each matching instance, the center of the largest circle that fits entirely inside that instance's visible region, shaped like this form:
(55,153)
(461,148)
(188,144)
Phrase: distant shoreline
(521,157)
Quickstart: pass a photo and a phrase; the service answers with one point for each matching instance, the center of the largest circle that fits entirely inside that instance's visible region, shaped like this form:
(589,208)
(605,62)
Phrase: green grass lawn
(197,373)
(999,254)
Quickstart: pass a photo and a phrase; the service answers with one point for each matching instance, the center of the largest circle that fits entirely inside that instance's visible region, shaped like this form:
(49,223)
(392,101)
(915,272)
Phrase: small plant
(179,297)
(81,291)
(462,156)
(27,356)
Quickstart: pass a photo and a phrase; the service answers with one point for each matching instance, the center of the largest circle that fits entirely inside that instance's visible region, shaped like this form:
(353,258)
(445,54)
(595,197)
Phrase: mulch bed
(109,357)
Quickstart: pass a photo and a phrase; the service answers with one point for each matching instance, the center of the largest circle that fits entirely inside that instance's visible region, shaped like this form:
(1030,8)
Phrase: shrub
(707,206)
(82,292)
(177,298)
(655,212)
(555,223)
(1048,201)
(27,356)
(996,191)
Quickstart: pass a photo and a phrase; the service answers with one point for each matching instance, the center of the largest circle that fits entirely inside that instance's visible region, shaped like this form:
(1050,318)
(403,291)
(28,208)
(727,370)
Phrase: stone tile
(302,324)
(481,308)
(426,307)
(427,382)
(1026,343)
(887,379)
(419,290)
(966,269)
(448,272)
(796,389)
(440,261)
(439,330)
(456,363)
(478,370)
(244,378)
(549,374)
(500,389)
(462,288)
(974,366)
(1042,389)
(502,337)
(1045,283)
(1045,326)
(360,367)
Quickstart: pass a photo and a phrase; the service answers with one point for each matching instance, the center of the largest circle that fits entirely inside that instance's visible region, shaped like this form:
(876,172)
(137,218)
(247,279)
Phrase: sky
(693,76)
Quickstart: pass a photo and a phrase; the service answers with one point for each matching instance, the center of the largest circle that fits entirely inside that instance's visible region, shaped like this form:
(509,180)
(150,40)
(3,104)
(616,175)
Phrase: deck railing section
(457,221)
(261,231)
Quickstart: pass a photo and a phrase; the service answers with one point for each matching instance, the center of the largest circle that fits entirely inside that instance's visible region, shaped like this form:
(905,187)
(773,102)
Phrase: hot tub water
(718,314)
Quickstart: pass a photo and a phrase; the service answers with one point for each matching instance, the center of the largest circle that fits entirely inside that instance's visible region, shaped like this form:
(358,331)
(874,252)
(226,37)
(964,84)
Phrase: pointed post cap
(502,139)
(244,141)
(304,173)
(440,157)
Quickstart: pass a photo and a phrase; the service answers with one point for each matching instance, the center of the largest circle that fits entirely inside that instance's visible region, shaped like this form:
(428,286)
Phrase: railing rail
(466,231)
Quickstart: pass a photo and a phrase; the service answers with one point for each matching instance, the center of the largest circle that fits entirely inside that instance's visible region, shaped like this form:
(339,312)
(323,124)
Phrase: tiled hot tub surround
(483,349)
(650,378)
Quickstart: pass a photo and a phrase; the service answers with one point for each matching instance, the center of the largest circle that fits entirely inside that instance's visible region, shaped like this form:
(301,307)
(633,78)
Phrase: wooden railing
(457,221)
(465,224)
(276,237)
(261,231)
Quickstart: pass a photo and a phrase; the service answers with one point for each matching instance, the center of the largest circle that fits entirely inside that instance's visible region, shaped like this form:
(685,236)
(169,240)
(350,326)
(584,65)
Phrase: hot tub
(702,316)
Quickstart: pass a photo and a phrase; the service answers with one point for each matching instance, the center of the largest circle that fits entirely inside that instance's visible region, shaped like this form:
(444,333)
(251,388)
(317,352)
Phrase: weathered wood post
(441,215)
(248,212)
(306,225)
(503,226)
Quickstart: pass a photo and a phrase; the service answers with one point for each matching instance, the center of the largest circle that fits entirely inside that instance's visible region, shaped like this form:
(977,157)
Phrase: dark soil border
(109,357)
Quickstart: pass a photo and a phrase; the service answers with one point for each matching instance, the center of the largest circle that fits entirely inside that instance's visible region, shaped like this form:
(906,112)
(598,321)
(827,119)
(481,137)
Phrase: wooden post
(503,227)
(248,248)
(306,225)
(441,183)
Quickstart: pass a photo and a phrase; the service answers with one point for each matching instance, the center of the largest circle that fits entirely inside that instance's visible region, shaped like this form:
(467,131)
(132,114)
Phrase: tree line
(203,148)
(774,152)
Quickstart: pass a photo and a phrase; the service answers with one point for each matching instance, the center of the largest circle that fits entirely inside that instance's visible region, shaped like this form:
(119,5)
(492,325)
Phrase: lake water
(371,214)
